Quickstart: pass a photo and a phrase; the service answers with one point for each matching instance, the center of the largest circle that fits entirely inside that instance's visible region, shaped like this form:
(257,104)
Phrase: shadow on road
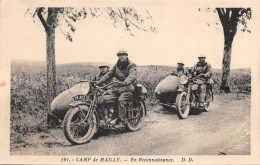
(109,132)
(195,112)
(165,110)
(172,111)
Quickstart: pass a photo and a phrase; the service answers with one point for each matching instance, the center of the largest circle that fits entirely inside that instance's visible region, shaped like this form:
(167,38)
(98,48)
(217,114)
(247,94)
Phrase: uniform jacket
(125,73)
(203,68)
(179,71)
(98,77)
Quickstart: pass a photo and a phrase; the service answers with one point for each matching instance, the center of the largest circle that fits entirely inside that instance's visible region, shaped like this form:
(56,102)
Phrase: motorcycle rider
(202,68)
(103,70)
(125,74)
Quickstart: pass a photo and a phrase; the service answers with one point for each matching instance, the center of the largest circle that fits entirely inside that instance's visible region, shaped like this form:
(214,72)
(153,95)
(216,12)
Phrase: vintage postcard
(129,82)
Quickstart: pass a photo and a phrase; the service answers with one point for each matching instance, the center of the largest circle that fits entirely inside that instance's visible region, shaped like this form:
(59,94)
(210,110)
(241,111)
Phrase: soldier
(124,72)
(103,70)
(202,68)
(180,69)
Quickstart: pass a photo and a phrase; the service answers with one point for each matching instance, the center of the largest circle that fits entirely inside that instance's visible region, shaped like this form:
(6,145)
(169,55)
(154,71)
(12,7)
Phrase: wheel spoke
(183,104)
(76,133)
(76,129)
(137,116)
(82,116)
(73,126)
(79,127)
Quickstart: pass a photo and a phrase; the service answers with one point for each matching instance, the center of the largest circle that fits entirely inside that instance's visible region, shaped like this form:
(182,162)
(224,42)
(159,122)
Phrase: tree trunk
(50,25)
(51,65)
(229,36)
(229,20)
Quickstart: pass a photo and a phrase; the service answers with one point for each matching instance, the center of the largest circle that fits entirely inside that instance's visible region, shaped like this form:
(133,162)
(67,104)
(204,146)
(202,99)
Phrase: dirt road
(224,130)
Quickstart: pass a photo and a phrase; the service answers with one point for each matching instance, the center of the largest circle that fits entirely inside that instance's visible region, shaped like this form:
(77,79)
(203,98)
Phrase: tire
(182,112)
(86,132)
(209,101)
(135,126)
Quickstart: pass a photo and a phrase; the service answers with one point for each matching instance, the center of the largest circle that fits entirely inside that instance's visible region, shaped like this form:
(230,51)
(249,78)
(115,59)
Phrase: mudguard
(181,89)
(211,89)
(144,107)
(76,103)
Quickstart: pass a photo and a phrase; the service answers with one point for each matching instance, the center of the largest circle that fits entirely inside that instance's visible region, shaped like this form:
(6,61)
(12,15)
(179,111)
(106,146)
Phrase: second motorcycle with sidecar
(177,93)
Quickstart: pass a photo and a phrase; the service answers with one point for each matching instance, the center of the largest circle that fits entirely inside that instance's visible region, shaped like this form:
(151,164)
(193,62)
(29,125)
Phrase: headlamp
(84,88)
(183,79)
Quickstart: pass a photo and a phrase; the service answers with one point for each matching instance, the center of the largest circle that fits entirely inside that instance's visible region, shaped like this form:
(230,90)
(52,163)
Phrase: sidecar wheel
(137,123)
(76,129)
(182,105)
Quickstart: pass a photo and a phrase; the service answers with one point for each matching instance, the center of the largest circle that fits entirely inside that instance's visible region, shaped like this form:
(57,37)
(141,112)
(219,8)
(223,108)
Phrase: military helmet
(103,66)
(201,56)
(180,62)
(122,51)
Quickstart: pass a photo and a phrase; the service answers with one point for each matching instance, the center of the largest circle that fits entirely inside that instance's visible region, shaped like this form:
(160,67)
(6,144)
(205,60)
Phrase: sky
(182,35)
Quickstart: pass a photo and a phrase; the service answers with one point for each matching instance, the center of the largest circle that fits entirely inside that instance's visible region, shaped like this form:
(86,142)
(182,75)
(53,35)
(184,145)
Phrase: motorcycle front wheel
(77,129)
(182,105)
(135,122)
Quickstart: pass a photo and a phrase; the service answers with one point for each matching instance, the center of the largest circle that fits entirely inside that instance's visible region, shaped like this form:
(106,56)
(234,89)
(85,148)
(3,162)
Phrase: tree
(231,20)
(52,17)
(230,17)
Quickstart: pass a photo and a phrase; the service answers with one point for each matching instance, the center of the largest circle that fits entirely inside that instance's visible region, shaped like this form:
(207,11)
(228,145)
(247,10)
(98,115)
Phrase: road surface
(223,130)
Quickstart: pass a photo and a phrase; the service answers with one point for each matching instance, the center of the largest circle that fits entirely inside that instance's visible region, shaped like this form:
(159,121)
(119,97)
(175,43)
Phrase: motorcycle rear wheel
(136,124)
(182,106)
(209,101)
(76,130)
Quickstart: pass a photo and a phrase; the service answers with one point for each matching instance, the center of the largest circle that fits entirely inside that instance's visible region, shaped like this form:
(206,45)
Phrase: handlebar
(105,85)
(102,87)
(198,77)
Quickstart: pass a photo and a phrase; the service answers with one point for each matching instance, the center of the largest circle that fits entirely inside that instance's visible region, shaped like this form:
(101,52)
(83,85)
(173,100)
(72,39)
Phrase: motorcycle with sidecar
(96,109)
(177,93)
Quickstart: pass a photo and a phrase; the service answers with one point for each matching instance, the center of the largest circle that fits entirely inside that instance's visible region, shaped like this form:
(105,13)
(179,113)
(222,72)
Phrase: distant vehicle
(175,92)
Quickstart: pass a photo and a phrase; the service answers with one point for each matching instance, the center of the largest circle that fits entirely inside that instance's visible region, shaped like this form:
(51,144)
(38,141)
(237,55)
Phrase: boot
(120,124)
(113,122)
(122,111)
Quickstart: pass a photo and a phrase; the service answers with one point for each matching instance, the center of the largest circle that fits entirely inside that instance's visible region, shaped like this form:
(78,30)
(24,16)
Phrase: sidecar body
(60,104)
(166,91)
